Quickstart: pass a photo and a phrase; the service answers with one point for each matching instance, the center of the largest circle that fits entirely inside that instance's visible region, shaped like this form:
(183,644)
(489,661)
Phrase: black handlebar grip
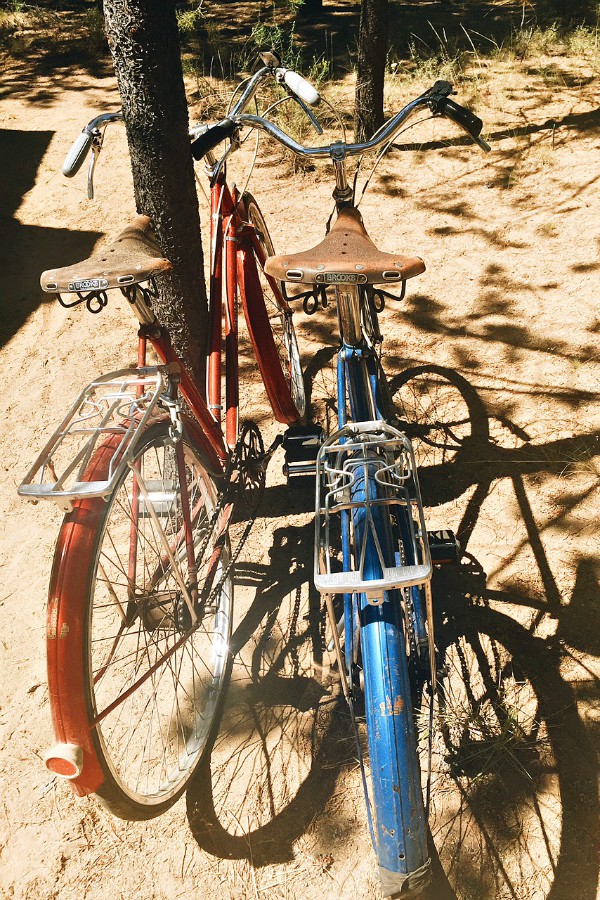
(463,117)
(213,136)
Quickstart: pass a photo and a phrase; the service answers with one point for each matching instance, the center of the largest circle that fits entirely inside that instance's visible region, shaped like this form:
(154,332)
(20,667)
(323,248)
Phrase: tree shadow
(427,314)
(54,45)
(28,249)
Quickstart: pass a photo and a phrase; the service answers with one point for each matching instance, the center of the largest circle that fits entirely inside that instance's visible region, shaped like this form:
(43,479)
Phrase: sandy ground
(509,305)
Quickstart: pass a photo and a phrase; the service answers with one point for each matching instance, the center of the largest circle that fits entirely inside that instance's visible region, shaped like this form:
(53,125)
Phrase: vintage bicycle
(141,593)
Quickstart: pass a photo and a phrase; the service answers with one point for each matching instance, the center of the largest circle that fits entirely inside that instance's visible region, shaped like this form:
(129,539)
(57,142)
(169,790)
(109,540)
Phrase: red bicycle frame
(233,246)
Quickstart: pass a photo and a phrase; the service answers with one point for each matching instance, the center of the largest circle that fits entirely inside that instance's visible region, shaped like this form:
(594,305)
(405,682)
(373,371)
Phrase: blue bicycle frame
(399,828)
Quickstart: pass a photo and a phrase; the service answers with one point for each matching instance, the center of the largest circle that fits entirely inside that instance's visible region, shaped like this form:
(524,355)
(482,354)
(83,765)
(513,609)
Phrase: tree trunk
(372,53)
(310,9)
(144,43)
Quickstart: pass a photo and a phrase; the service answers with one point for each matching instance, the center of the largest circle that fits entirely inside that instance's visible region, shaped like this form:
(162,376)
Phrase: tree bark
(310,9)
(370,76)
(144,43)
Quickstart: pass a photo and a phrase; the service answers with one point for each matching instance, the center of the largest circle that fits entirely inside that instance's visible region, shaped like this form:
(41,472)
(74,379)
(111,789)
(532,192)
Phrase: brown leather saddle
(132,258)
(347,255)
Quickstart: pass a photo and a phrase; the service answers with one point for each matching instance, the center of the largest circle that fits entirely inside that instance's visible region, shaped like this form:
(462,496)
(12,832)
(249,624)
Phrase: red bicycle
(141,591)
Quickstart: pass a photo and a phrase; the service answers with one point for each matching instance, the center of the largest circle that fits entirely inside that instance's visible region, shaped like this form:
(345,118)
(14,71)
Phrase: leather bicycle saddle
(346,255)
(133,257)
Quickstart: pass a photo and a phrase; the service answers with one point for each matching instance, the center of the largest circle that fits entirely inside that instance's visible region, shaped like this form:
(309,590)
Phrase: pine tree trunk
(310,9)
(372,52)
(144,43)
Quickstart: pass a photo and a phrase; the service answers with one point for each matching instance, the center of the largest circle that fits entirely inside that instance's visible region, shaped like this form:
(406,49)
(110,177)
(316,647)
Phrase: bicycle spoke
(157,665)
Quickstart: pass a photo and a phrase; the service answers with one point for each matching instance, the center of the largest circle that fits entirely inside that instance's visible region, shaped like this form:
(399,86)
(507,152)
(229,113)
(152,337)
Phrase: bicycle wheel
(270,326)
(320,381)
(131,681)
(439,410)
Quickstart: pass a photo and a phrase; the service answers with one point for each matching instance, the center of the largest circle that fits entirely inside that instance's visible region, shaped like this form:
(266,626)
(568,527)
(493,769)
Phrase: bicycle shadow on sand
(274,765)
(515,804)
(514,801)
(514,761)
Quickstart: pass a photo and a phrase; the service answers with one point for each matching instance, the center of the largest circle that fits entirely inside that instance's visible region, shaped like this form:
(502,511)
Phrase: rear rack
(350,465)
(118,404)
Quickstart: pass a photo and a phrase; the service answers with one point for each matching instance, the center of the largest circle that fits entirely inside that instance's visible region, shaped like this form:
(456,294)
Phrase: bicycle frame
(233,248)
(364,524)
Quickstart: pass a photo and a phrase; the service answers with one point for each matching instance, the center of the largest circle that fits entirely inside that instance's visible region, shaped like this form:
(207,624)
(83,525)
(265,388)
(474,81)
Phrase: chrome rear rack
(118,404)
(363,467)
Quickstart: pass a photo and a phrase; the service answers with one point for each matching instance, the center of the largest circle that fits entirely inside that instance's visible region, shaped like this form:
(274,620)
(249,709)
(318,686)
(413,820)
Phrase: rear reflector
(65,760)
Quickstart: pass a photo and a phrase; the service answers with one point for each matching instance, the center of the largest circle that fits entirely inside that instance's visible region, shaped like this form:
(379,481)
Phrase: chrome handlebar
(337,148)
(206,138)
(436,98)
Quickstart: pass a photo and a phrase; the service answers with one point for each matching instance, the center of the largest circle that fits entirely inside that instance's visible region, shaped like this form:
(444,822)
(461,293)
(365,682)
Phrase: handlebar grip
(211,137)
(301,87)
(467,120)
(77,154)
(462,116)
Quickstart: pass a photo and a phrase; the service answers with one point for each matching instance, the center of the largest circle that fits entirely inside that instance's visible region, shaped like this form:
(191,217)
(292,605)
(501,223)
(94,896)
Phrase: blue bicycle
(372,548)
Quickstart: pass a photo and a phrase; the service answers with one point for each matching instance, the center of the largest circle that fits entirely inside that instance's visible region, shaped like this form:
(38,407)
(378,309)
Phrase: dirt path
(508,307)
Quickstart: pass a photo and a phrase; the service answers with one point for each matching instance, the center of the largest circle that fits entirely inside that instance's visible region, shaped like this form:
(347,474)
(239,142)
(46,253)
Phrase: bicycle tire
(400,828)
(104,637)
(270,325)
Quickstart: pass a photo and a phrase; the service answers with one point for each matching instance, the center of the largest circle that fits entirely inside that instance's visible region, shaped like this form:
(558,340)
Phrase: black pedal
(301,445)
(444,547)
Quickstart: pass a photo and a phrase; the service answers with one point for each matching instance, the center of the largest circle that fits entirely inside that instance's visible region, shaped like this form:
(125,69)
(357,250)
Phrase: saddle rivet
(359,267)
(320,268)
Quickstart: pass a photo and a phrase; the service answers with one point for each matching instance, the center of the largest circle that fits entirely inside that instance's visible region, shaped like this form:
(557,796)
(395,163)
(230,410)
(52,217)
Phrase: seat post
(348,298)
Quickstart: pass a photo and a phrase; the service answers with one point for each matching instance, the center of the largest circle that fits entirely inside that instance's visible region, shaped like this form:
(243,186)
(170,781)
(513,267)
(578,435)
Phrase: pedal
(444,547)
(301,445)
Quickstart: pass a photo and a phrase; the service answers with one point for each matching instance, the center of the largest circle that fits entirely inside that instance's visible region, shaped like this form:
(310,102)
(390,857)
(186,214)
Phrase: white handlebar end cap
(302,88)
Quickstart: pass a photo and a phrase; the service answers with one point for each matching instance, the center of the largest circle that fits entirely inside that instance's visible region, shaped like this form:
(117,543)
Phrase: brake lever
(311,115)
(436,95)
(97,142)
